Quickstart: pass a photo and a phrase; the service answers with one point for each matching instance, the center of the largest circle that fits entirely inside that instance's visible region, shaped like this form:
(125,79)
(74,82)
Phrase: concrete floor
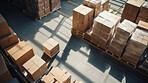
(83,61)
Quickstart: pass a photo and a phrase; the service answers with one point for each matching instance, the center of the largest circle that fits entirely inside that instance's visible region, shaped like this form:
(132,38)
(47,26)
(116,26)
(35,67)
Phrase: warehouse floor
(83,61)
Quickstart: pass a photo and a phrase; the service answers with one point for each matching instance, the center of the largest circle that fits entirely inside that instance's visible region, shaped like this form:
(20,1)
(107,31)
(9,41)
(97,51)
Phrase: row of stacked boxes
(123,39)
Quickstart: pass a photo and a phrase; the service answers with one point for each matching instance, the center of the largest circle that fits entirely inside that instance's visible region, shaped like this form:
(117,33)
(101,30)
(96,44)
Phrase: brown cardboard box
(138,43)
(35,67)
(40,6)
(82,18)
(66,78)
(5,75)
(46,4)
(87,34)
(131,9)
(5,31)
(124,31)
(143,25)
(143,13)
(9,40)
(50,47)
(48,78)
(21,53)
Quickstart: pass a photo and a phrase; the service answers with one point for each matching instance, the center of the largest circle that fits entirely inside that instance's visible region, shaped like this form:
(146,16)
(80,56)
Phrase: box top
(143,25)
(48,78)
(50,43)
(3,67)
(137,3)
(83,9)
(127,26)
(2,19)
(109,16)
(33,64)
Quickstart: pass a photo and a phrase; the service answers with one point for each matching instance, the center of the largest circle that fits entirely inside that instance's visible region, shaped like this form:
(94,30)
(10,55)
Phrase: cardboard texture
(82,18)
(131,9)
(35,67)
(143,25)
(87,34)
(124,31)
(94,4)
(21,53)
(4,30)
(138,43)
(143,13)
(5,75)
(9,40)
(104,28)
(55,5)
(50,47)
(46,4)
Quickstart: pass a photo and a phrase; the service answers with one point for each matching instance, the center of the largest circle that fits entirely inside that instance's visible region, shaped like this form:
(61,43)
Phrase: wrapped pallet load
(104,28)
(124,31)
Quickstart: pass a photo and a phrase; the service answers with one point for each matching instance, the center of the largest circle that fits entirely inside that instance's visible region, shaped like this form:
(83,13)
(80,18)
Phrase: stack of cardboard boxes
(55,5)
(5,75)
(57,76)
(94,4)
(124,31)
(82,18)
(7,36)
(43,8)
(137,45)
(131,9)
(143,14)
(104,28)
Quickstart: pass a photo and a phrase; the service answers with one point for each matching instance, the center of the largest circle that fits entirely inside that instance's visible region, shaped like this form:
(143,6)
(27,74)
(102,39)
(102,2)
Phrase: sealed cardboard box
(5,31)
(35,67)
(131,9)
(82,18)
(143,25)
(137,45)
(124,31)
(9,40)
(50,47)
(5,75)
(21,53)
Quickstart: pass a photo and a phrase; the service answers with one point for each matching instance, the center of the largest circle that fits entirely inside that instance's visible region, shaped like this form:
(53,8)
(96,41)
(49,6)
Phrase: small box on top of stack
(131,9)
(82,19)
(51,47)
(104,28)
(20,53)
(124,31)
(7,36)
(94,4)
(57,76)
(136,47)
(143,14)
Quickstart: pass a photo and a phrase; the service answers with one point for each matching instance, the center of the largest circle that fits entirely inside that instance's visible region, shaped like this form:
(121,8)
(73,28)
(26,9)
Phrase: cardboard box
(82,18)
(5,75)
(21,53)
(9,40)
(48,78)
(50,47)
(87,34)
(124,31)
(35,67)
(66,78)
(104,4)
(131,9)
(40,6)
(137,45)
(143,25)
(46,4)
(5,31)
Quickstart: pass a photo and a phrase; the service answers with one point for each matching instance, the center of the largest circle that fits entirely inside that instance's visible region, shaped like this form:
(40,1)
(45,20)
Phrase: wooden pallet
(77,33)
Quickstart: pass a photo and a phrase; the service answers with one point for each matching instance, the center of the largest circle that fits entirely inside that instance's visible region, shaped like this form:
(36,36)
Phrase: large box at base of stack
(104,28)
(137,45)
(82,18)
(123,33)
